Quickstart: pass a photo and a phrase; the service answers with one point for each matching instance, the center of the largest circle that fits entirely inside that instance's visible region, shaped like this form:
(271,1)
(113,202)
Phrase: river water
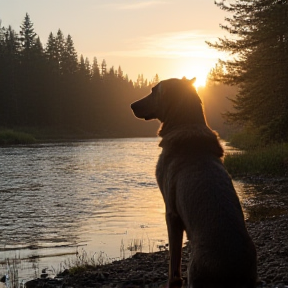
(100,196)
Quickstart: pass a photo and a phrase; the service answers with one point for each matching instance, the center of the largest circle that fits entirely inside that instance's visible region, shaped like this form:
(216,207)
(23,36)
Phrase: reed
(12,278)
(246,139)
(82,261)
(271,160)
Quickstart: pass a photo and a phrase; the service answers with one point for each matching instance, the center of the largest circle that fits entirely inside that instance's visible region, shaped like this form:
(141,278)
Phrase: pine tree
(32,72)
(84,67)
(9,76)
(27,33)
(120,73)
(52,55)
(259,64)
(60,49)
(103,68)
(154,81)
(69,57)
(87,68)
(38,47)
(95,70)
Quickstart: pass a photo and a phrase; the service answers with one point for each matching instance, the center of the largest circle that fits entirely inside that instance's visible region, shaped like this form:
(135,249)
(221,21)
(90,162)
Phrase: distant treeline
(50,87)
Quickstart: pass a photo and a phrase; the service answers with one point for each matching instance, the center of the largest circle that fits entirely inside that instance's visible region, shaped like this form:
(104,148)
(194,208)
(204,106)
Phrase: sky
(146,37)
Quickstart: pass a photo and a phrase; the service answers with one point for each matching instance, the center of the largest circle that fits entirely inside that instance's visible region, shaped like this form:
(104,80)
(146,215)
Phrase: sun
(199,71)
(200,81)
(201,77)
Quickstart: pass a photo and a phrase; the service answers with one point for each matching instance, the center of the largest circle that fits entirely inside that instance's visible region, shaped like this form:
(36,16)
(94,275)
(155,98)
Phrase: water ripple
(97,193)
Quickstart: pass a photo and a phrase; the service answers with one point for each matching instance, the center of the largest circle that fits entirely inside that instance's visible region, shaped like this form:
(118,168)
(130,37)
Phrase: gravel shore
(270,235)
(150,269)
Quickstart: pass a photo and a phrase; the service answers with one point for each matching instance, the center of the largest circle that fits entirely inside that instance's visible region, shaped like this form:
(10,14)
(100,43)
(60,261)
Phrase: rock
(44,283)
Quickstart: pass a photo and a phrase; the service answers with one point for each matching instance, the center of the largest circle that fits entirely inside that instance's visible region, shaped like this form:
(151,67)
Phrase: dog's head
(171,101)
(177,105)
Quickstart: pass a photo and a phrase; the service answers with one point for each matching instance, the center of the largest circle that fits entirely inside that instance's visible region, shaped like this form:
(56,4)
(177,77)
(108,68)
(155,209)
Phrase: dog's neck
(191,139)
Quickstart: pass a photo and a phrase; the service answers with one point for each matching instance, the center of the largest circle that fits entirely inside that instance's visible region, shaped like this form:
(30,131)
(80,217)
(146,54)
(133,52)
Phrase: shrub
(10,137)
(245,139)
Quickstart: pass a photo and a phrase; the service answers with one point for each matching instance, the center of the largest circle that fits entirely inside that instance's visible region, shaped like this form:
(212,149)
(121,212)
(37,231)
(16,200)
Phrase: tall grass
(271,161)
(10,137)
(12,278)
(246,139)
(82,261)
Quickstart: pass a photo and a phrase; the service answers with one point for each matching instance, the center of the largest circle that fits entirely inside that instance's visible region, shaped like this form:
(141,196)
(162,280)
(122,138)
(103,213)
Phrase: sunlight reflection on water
(96,193)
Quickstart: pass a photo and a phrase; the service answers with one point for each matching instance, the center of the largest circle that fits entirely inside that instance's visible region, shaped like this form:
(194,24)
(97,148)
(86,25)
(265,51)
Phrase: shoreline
(268,231)
(21,136)
(151,269)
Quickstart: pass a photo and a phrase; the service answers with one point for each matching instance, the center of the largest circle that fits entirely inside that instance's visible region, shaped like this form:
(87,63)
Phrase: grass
(30,135)
(12,278)
(10,137)
(257,157)
(271,160)
(82,261)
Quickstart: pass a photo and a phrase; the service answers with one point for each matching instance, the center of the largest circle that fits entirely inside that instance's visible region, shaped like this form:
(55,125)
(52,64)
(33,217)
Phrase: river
(100,196)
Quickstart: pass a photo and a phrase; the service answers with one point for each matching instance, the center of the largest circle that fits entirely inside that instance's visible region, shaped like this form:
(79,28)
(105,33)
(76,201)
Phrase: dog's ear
(192,81)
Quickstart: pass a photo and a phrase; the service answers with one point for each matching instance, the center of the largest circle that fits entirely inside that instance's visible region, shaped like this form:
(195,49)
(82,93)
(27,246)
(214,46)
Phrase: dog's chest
(166,171)
(163,179)
(160,172)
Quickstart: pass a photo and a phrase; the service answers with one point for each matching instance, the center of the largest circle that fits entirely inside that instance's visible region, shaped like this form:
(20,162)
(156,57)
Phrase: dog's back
(200,191)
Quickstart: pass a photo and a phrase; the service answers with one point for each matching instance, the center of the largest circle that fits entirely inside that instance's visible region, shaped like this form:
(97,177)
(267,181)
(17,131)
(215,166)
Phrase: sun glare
(200,72)
(200,78)
(200,81)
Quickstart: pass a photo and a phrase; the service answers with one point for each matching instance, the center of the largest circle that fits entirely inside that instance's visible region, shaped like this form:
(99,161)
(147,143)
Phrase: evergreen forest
(258,65)
(52,89)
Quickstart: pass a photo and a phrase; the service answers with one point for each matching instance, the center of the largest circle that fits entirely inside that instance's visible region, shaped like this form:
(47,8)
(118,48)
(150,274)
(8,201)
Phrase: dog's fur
(198,192)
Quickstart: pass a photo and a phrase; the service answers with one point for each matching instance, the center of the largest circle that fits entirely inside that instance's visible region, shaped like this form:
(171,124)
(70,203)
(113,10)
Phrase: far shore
(15,137)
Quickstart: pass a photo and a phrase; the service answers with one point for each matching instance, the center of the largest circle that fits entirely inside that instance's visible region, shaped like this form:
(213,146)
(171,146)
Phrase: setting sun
(200,72)
(200,79)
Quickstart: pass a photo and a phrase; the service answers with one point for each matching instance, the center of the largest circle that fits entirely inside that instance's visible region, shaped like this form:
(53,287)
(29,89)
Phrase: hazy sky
(144,37)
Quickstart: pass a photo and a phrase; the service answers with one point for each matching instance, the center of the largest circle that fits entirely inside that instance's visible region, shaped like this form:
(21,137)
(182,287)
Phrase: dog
(198,192)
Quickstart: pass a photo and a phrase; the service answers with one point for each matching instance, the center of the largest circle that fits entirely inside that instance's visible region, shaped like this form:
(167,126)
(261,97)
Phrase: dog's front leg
(175,234)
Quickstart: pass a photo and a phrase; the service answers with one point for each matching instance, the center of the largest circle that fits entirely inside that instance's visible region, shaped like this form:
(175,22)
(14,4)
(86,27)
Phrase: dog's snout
(137,109)
(132,106)
(144,108)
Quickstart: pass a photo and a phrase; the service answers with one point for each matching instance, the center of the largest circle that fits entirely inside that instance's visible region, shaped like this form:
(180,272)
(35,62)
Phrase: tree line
(52,87)
(257,65)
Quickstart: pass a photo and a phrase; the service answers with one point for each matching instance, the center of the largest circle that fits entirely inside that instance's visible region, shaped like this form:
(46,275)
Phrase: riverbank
(150,269)
(269,232)
(24,136)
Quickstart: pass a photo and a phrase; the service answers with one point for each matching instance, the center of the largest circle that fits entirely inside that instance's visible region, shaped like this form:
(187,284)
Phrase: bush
(9,137)
(246,139)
